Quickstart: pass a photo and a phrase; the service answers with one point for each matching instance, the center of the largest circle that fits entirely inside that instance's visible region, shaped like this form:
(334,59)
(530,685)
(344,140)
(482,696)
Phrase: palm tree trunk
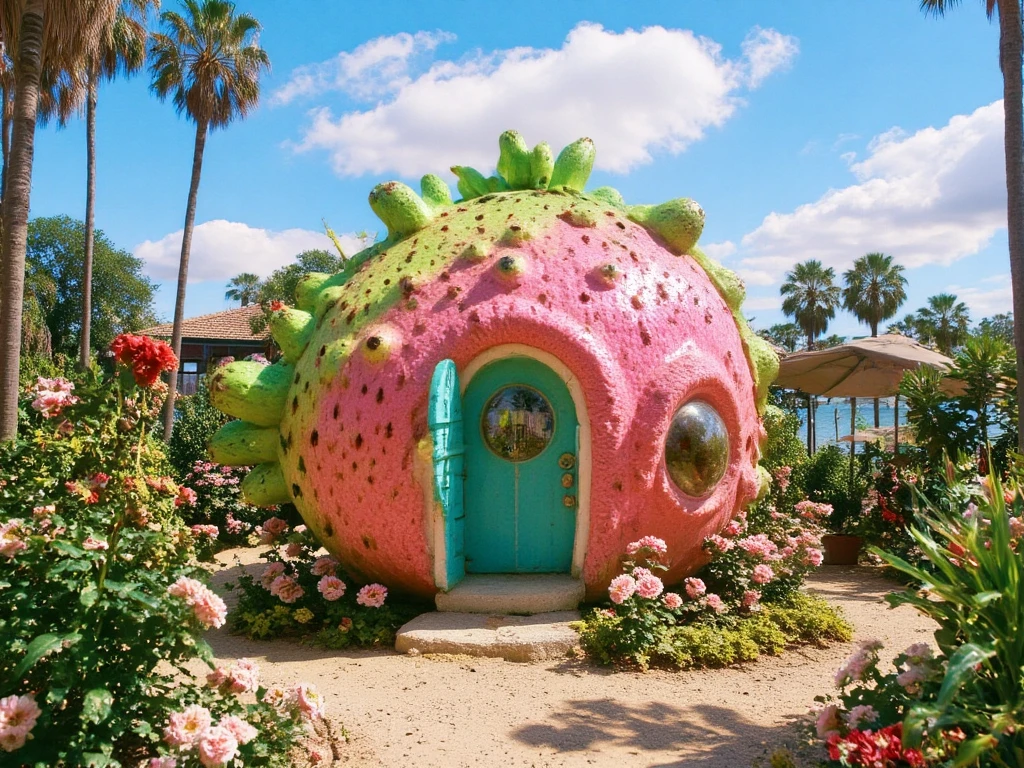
(1011,53)
(874,332)
(186,247)
(811,401)
(5,142)
(16,207)
(90,221)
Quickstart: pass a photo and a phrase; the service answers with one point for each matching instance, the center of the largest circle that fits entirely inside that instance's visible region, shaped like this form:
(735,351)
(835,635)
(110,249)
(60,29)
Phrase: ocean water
(833,419)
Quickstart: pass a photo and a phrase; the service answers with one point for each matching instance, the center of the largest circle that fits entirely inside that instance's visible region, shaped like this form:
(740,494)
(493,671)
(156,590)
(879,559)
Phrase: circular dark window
(696,448)
(517,423)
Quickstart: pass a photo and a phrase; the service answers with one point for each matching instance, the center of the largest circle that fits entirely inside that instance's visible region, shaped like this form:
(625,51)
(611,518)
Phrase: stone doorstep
(513,593)
(539,637)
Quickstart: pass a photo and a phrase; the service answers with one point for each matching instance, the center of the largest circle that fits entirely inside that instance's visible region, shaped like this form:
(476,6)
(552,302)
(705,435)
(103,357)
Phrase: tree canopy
(122,297)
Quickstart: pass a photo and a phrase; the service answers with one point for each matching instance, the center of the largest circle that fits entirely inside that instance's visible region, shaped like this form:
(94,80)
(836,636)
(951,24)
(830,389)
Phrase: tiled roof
(232,324)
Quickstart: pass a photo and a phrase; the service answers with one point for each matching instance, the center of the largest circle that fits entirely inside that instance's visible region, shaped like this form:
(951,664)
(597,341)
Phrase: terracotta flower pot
(841,549)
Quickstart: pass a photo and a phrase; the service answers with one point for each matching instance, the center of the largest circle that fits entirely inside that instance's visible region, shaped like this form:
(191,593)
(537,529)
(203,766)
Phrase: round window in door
(517,423)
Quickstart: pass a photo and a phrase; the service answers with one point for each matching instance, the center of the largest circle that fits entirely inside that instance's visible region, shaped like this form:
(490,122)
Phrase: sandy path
(422,711)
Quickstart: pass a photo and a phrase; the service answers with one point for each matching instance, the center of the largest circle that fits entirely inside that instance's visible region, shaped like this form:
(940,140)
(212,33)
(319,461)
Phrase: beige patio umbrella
(868,367)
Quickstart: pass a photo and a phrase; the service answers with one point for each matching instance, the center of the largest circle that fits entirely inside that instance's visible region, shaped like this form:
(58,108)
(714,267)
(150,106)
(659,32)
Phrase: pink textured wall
(641,346)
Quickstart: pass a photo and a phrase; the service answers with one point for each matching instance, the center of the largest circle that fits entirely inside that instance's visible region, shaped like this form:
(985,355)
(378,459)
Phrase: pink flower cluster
(207,607)
(782,477)
(372,595)
(215,745)
(864,659)
(303,698)
(233,525)
(814,511)
(242,677)
(621,588)
(186,497)
(51,396)
(11,542)
(917,668)
(651,543)
(210,531)
(18,715)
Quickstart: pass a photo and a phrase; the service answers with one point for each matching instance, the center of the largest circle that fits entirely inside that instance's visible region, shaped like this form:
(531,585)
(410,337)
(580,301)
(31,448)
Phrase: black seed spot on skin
(297,378)
(480,230)
(355,466)
(351,316)
(369,479)
(617,485)
(336,409)
(295,404)
(343,306)
(474,316)
(586,239)
(388,431)
(328,530)
(543,298)
(634,257)
(452,292)
(380,395)
(284,445)
(321,353)
(584,297)
(366,309)
(373,343)
(620,225)
(302,464)
(359,441)
(363,390)
(445,227)
(408,259)
(314,436)
(480,217)
(367,541)
(645,335)
(305,388)
(296,491)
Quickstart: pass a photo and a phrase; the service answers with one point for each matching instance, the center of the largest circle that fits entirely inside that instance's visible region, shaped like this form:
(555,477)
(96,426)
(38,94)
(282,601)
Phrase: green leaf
(39,647)
(984,598)
(961,666)
(89,595)
(99,760)
(97,704)
(974,748)
(68,548)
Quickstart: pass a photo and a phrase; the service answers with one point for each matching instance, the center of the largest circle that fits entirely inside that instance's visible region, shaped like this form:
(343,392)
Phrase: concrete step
(513,638)
(513,593)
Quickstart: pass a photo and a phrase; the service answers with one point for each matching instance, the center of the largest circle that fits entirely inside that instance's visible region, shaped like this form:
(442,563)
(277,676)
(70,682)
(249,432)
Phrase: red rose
(145,356)
(276,306)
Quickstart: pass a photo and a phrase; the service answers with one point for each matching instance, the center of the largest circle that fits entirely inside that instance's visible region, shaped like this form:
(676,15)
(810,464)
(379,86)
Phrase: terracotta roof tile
(232,324)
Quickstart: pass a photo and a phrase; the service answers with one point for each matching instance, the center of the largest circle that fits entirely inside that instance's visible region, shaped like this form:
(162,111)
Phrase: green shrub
(719,641)
(102,609)
(827,480)
(194,425)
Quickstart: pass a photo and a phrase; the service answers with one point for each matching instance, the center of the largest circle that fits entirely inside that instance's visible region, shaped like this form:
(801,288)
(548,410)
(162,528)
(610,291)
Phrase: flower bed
(304,592)
(104,607)
(959,705)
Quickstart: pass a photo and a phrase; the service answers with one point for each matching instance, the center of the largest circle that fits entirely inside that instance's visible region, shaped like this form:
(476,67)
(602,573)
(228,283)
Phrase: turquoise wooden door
(445,420)
(520,436)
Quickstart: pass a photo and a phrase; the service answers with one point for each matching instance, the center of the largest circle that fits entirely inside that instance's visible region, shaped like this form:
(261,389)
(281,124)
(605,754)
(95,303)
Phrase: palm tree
(944,322)
(209,62)
(875,289)
(1011,58)
(122,50)
(811,298)
(244,288)
(43,36)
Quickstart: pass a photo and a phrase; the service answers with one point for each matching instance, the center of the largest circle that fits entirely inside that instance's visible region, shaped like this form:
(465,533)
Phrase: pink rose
(217,747)
(649,587)
(293,550)
(270,573)
(762,574)
(715,603)
(95,544)
(185,728)
(331,587)
(653,543)
(621,588)
(672,600)
(324,566)
(286,589)
(695,588)
(751,598)
(309,700)
(372,595)
(239,728)
(18,716)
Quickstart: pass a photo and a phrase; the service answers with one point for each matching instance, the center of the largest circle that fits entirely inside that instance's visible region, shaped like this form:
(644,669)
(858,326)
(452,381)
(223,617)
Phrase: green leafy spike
(435,192)
(400,208)
(573,166)
(514,160)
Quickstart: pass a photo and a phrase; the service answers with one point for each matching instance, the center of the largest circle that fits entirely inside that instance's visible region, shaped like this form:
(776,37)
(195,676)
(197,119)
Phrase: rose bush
(217,514)
(102,607)
(303,591)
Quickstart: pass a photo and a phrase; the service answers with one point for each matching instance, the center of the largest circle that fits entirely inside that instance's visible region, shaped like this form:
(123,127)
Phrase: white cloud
(222,249)
(377,67)
(767,51)
(930,197)
(984,302)
(754,303)
(634,93)
(719,251)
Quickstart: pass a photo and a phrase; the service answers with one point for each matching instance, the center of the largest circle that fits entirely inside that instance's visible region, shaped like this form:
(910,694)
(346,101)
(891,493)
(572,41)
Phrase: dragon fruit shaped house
(518,382)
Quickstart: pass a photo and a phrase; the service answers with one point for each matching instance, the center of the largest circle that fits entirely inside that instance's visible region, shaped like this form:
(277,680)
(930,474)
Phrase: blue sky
(805,130)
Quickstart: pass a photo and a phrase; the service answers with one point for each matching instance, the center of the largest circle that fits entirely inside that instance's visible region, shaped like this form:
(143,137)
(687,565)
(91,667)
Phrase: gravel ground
(456,711)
